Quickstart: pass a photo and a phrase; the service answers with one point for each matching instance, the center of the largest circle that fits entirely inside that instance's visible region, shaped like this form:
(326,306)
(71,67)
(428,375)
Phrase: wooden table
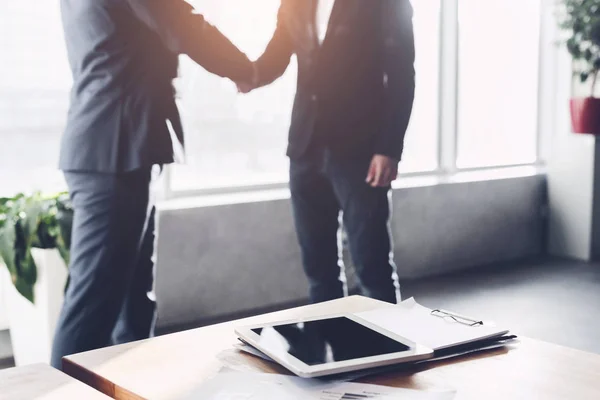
(42,382)
(169,367)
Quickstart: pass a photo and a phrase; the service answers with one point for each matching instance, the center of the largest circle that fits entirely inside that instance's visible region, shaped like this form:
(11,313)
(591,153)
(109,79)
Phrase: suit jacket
(355,92)
(124,56)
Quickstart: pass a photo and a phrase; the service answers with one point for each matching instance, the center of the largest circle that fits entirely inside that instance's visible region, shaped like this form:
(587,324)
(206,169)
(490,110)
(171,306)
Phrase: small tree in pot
(34,246)
(27,222)
(579,20)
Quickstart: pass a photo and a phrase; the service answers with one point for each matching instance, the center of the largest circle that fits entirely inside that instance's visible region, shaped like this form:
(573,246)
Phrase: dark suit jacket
(355,92)
(124,56)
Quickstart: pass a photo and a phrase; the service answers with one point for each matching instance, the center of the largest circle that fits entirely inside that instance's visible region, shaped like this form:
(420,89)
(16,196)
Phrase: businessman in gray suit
(122,123)
(356,86)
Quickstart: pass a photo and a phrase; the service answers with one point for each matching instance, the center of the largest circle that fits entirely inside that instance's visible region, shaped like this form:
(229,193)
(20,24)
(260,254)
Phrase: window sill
(274,192)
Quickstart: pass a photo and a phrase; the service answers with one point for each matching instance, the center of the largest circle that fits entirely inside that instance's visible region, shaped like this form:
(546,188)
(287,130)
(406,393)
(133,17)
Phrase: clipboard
(436,329)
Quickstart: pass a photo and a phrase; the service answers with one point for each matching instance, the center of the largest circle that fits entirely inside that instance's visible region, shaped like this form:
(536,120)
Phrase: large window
(34,86)
(486,80)
(421,143)
(240,140)
(232,139)
(498,82)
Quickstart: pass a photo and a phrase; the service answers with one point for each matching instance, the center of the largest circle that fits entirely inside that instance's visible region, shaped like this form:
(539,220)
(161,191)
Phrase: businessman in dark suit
(356,83)
(123,121)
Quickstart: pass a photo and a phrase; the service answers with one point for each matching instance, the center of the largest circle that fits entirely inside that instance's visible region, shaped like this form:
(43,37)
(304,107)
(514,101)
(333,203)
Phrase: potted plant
(579,20)
(34,247)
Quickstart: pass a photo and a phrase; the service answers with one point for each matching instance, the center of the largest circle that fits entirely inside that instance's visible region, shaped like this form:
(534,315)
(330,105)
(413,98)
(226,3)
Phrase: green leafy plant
(27,222)
(579,21)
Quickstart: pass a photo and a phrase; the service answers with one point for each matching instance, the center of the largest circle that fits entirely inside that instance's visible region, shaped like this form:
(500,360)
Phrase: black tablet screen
(328,340)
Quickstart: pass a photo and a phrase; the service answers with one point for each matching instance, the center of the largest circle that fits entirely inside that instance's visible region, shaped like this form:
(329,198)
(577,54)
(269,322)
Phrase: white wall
(221,259)
(571,168)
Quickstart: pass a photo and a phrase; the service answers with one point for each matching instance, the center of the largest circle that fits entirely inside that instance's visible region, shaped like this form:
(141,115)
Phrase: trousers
(111,273)
(323,185)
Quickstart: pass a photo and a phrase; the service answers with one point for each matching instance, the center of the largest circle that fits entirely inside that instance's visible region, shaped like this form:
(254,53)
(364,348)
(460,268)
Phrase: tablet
(331,345)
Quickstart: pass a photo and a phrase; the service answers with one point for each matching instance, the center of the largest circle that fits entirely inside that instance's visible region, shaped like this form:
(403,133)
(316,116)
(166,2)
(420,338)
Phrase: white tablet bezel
(416,352)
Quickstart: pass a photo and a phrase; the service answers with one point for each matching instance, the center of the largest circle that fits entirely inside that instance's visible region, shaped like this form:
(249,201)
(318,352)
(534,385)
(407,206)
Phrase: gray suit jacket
(124,56)
(355,91)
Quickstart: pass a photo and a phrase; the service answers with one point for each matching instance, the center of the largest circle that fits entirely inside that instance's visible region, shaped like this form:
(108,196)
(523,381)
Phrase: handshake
(247,87)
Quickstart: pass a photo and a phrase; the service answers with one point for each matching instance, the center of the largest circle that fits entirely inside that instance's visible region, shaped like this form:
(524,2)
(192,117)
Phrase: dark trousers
(322,185)
(111,270)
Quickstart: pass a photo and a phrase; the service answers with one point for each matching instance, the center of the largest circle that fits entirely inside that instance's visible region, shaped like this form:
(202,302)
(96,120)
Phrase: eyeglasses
(456,318)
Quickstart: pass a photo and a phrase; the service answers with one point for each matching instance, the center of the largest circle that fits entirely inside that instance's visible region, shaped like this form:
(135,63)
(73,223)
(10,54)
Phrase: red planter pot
(585,115)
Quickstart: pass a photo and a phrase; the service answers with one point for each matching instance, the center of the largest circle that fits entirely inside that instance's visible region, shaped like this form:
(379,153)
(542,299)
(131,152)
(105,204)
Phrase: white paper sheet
(415,322)
(250,386)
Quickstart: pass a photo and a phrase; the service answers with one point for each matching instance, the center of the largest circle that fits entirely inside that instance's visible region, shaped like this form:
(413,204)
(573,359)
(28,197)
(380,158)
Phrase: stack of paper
(253,386)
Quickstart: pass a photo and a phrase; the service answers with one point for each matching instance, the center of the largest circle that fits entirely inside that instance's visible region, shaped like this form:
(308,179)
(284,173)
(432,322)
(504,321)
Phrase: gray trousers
(322,185)
(111,271)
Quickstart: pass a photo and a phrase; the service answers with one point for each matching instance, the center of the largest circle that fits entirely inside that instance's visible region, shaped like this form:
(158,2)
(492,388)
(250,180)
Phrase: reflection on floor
(552,300)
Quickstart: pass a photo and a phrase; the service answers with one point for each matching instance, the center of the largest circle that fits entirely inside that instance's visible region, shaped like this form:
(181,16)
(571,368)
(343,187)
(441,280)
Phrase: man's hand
(247,87)
(383,171)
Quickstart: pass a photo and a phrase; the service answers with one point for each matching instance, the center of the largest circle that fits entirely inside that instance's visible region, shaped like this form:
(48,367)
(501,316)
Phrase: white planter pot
(32,325)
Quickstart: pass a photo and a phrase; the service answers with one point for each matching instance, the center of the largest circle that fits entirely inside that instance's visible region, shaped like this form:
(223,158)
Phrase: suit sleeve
(185,32)
(276,58)
(398,64)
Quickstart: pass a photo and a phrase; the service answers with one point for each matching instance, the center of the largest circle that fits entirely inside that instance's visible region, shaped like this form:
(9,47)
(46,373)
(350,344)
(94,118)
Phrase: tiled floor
(552,300)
